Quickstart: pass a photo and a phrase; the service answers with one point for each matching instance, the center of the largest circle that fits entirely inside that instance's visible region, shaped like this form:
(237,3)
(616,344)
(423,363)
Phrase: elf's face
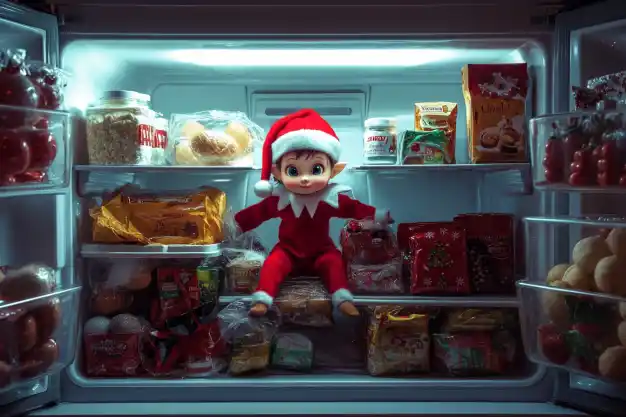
(304,172)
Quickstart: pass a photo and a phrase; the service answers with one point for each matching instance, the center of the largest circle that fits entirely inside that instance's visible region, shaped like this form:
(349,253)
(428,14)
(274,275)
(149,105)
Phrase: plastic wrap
(250,338)
(398,342)
(372,256)
(50,83)
(132,217)
(292,351)
(305,301)
(213,138)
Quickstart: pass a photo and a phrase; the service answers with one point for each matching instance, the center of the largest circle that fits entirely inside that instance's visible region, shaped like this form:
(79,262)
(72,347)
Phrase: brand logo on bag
(110,347)
(160,139)
(377,138)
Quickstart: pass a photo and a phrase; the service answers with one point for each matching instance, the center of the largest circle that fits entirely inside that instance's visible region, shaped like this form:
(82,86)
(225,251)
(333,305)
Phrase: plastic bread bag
(292,351)
(213,138)
(250,338)
(380,278)
(305,301)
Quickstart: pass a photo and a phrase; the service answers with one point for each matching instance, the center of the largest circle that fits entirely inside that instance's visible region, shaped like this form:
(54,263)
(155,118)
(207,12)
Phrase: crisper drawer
(573,309)
(34,151)
(37,327)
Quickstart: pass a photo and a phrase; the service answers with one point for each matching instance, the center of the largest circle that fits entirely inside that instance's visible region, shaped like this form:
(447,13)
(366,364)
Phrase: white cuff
(381,216)
(341,296)
(261,297)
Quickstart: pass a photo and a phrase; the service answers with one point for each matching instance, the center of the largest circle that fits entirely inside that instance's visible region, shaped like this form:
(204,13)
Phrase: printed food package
(372,256)
(305,301)
(242,270)
(476,342)
(292,351)
(438,259)
(439,116)
(495,96)
(128,217)
(490,252)
(213,138)
(610,88)
(249,338)
(398,342)
(424,148)
(28,343)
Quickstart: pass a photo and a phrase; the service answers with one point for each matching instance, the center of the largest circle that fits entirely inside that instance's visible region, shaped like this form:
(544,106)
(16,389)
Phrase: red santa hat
(302,130)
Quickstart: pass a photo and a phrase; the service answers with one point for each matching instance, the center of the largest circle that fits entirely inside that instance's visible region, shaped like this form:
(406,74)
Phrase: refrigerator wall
(183,77)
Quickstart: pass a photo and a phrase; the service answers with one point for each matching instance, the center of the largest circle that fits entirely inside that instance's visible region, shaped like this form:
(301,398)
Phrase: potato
(612,363)
(621,333)
(616,241)
(555,307)
(610,275)
(557,272)
(578,279)
(588,251)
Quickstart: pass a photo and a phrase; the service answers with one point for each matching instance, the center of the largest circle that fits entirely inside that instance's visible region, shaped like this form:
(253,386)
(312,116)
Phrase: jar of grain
(120,129)
(380,142)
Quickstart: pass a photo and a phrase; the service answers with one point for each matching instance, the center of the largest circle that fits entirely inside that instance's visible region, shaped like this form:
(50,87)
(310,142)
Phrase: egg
(612,363)
(609,275)
(5,374)
(578,279)
(108,301)
(125,324)
(616,241)
(97,325)
(26,332)
(48,318)
(588,252)
(39,359)
(556,272)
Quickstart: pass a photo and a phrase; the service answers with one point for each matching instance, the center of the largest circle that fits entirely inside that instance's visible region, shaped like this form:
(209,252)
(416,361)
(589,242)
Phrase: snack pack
(424,148)
(292,351)
(398,342)
(130,216)
(213,138)
(438,116)
(305,302)
(249,338)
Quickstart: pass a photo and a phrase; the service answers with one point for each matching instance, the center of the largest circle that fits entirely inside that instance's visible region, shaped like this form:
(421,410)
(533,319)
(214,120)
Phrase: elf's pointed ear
(275,172)
(339,166)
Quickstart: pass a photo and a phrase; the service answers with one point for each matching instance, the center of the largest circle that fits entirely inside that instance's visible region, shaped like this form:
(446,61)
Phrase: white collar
(330,196)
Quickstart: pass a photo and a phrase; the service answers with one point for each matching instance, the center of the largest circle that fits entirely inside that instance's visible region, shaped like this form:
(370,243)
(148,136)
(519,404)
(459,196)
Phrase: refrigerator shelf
(155,169)
(150,251)
(411,169)
(31,190)
(604,222)
(409,300)
(565,188)
(578,331)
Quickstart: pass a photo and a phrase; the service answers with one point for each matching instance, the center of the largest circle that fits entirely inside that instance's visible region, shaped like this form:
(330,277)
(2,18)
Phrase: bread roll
(588,252)
(578,279)
(616,241)
(557,272)
(610,275)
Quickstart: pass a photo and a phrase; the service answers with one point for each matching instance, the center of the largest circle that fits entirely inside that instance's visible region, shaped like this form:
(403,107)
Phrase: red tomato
(578,179)
(588,330)
(43,149)
(576,167)
(553,175)
(622,181)
(553,345)
(14,154)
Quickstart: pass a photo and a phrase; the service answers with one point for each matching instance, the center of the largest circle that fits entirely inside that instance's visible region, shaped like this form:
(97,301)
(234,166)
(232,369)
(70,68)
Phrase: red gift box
(438,259)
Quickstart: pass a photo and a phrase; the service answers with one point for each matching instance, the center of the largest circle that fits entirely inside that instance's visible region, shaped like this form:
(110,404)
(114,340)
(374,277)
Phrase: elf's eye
(318,169)
(292,171)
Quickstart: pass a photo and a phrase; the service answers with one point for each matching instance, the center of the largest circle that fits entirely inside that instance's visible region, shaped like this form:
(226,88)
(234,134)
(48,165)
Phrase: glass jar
(380,141)
(120,129)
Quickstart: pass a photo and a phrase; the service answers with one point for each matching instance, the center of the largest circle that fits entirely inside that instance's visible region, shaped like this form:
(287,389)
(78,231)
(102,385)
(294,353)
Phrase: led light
(310,57)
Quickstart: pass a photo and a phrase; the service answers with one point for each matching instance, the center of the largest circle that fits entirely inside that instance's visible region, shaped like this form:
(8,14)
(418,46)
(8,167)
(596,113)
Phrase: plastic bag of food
(305,301)
(50,83)
(250,338)
(129,216)
(292,351)
(475,319)
(398,342)
(365,242)
(213,138)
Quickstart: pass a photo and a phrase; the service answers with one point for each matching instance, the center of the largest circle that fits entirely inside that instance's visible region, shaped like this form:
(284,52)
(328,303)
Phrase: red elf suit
(304,245)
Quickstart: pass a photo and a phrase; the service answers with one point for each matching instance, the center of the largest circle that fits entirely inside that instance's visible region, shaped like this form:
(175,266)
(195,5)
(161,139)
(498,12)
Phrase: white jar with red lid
(380,145)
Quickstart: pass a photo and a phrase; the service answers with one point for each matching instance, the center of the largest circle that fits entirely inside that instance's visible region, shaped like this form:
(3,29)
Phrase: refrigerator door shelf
(150,251)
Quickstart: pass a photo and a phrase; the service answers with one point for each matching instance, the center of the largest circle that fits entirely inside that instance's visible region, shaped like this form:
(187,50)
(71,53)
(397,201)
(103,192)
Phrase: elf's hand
(381,221)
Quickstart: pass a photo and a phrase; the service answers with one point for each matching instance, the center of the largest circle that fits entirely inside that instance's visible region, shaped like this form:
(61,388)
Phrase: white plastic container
(380,143)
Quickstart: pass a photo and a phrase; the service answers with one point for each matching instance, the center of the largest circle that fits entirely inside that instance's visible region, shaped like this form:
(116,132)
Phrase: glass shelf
(152,251)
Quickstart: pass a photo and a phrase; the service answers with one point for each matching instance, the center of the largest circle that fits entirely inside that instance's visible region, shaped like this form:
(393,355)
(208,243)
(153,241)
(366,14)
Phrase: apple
(14,154)
(16,90)
(43,149)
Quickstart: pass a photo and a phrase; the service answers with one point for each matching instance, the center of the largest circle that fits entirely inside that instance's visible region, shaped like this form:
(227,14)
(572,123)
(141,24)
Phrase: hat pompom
(263,189)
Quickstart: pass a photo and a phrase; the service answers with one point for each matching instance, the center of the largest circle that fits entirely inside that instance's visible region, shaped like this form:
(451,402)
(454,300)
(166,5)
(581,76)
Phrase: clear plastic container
(120,129)
(34,153)
(580,149)
(571,301)
(380,144)
(37,336)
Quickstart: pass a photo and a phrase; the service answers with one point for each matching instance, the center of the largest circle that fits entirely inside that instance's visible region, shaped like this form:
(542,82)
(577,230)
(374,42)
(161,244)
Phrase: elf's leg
(275,269)
(331,268)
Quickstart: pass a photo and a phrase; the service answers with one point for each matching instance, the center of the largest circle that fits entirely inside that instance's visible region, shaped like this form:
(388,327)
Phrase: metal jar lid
(382,122)
(126,95)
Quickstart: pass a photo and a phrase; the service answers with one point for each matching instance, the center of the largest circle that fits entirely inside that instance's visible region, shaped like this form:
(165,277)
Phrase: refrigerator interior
(348,82)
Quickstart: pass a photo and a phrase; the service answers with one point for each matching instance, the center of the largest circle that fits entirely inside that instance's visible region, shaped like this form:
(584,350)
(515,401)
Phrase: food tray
(37,336)
(578,331)
(579,149)
(34,150)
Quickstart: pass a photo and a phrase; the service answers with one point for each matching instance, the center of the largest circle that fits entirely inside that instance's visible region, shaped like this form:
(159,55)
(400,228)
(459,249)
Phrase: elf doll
(301,151)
